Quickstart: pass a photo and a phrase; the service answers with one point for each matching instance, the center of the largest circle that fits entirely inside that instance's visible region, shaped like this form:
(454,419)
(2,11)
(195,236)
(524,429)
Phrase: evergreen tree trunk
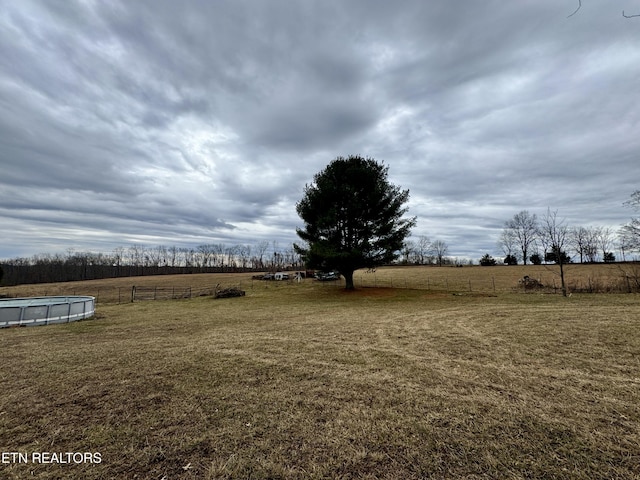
(348,279)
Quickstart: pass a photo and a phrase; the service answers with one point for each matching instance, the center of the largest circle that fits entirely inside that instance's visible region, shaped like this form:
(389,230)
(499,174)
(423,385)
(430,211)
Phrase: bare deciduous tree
(556,235)
(604,242)
(579,237)
(244,252)
(629,234)
(423,246)
(584,241)
(261,248)
(439,249)
(522,230)
(507,243)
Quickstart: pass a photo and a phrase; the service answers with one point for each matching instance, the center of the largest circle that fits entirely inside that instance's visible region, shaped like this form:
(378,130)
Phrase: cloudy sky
(184,123)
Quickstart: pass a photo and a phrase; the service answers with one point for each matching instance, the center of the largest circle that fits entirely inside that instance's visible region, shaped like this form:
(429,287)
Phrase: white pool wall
(15,312)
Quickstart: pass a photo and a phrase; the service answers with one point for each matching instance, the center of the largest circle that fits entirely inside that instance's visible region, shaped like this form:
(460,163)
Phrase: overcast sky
(184,123)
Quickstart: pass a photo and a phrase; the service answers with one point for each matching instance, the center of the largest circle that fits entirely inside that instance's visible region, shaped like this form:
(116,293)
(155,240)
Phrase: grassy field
(310,381)
(595,278)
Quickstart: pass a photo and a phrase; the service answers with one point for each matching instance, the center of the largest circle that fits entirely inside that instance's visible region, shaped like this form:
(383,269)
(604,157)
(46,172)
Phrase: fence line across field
(454,283)
(446,284)
(549,283)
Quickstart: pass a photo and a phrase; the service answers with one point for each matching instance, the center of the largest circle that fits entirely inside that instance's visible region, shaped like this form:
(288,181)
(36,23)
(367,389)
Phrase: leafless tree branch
(579,5)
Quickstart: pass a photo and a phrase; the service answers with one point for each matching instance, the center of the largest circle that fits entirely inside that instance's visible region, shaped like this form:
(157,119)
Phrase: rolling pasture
(584,278)
(424,373)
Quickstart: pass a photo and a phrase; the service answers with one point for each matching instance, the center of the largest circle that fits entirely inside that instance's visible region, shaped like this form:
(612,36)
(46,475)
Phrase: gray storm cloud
(201,122)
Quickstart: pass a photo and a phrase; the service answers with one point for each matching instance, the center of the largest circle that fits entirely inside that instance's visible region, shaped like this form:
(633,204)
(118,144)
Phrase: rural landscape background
(426,372)
(157,153)
(156,123)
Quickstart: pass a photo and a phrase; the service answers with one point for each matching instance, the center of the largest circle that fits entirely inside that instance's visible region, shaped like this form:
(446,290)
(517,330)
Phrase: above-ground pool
(45,310)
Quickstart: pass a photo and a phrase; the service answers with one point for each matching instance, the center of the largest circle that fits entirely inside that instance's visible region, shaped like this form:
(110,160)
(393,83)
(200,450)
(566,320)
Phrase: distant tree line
(137,260)
(424,251)
(526,239)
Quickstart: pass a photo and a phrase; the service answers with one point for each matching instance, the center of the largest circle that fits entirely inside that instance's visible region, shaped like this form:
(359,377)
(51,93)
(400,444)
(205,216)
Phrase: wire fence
(550,283)
(448,281)
(138,293)
(127,294)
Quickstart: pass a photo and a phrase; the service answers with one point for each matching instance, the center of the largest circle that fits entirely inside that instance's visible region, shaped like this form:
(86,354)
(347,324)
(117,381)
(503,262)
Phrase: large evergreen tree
(353,217)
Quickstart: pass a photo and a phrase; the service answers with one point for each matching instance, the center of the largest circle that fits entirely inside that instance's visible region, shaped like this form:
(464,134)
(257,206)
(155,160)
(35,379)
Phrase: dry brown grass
(118,290)
(309,381)
(593,278)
